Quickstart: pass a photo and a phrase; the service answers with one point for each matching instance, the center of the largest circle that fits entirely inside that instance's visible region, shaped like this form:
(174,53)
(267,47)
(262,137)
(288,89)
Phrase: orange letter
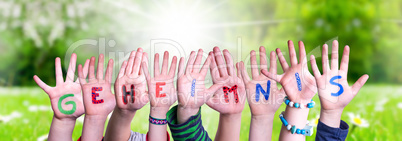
(159,89)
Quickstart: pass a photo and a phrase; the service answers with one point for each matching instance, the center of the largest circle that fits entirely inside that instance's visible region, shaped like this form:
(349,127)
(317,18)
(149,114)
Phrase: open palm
(65,97)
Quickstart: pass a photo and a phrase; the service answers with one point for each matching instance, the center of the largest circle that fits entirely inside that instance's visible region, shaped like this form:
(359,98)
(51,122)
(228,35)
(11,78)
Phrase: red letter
(159,89)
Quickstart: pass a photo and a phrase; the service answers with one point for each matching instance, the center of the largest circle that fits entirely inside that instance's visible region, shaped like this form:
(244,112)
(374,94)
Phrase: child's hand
(296,80)
(97,94)
(229,99)
(65,98)
(162,92)
(333,88)
(269,98)
(131,82)
(192,93)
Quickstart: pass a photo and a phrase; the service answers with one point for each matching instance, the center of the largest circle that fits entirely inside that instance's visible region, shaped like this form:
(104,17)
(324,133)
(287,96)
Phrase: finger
(85,70)
(313,63)
(81,75)
(238,70)
(276,78)
(325,65)
(282,60)
(334,55)
(292,53)
(263,58)
(91,69)
(109,71)
(145,71)
(219,62)
(165,63)
(59,72)
(122,69)
(345,59)
(229,62)
(302,53)
(272,65)
(71,67)
(144,60)
(181,67)
(204,69)
(197,62)
(156,65)
(41,84)
(129,67)
(254,66)
(137,62)
(190,62)
(359,84)
(172,69)
(101,60)
(211,90)
(213,68)
(244,73)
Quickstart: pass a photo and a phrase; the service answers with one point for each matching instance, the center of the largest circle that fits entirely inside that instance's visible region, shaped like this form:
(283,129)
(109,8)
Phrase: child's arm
(98,98)
(228,101)
(335,93)
(300,87)
(263,96)
(162,94)
(66,101)
(192,94)
(131,95)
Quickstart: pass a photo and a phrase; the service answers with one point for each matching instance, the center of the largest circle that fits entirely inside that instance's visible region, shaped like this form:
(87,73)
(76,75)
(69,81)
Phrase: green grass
(384,125)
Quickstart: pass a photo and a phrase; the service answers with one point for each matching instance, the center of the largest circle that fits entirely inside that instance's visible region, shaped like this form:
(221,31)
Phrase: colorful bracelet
(306,131)
(298,105)
(157,121)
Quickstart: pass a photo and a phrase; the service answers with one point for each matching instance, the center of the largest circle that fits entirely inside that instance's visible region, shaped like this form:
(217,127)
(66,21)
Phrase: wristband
(306,131)
(298,105)
(157,121)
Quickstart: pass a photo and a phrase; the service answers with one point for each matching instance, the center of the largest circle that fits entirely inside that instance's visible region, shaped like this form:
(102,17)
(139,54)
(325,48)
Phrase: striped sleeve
(191,130)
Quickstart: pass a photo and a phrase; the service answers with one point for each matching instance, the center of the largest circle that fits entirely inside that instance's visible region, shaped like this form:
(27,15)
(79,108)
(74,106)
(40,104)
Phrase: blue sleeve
(326,133)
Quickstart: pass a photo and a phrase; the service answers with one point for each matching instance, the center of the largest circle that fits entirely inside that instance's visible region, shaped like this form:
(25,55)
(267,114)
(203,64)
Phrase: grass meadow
(25,114)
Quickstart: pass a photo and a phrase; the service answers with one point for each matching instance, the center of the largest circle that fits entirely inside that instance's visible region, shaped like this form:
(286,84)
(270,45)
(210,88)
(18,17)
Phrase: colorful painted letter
(159,89)
(67,112)
(259,89)
(193,87)
(94,95)
(125,94)
(299,86)
(227,90)
(339,85)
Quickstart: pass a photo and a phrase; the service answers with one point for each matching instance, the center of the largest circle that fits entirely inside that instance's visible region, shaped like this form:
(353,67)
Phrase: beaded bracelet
(157,121)
(298,105)
(306,131)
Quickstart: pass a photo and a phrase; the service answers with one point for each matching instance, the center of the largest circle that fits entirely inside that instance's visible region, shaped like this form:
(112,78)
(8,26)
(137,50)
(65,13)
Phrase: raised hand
(162,93)
(333,88)
(296,80)
(98,98)
(97,94)
(66,100)
(131,86)
(192,93)
(228,100)
(263,95)
(65,97)
(299,86)
(131,95)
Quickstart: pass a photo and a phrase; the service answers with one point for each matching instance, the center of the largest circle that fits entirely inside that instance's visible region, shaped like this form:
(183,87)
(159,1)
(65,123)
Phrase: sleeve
(135,136)
(191,130)
(326,133)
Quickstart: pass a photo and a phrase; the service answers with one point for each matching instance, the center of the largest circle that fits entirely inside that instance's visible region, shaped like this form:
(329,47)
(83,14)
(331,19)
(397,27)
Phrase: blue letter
(334,83)
(259,89)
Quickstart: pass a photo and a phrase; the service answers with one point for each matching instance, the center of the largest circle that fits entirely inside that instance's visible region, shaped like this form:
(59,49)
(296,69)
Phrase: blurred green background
(34,32)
